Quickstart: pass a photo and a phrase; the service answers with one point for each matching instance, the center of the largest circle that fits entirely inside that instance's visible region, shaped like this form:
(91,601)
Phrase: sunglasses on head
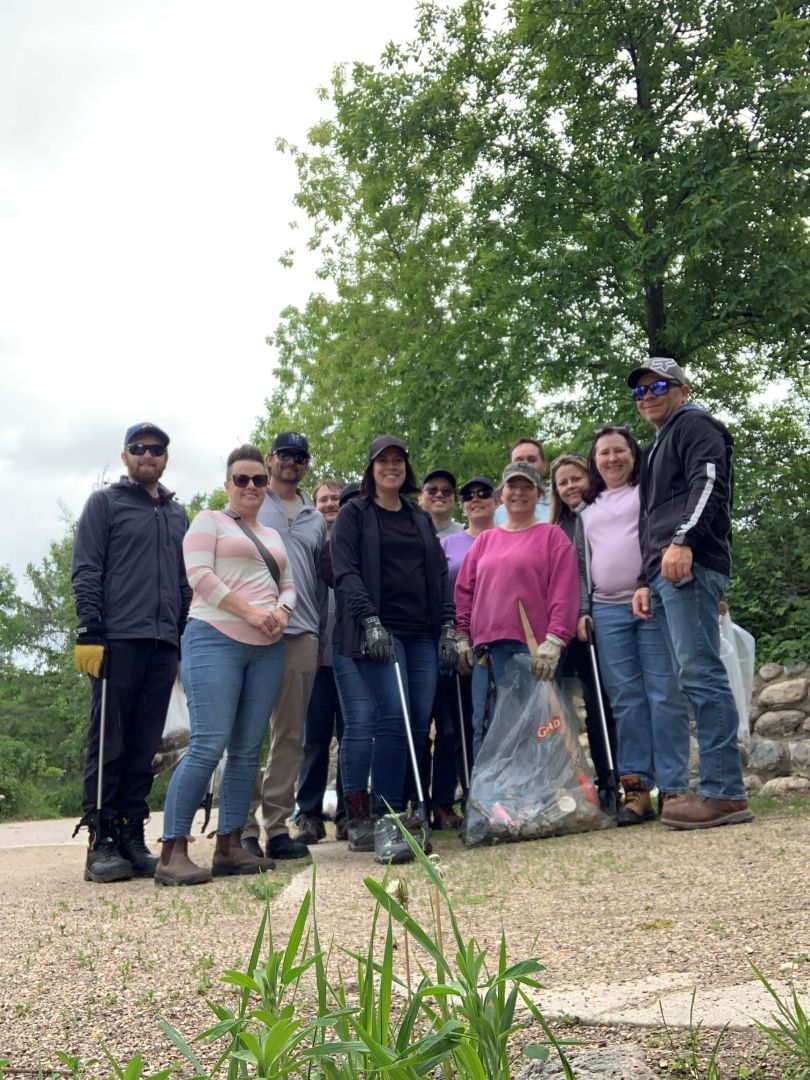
(657,389)
(609,429)
(476,493)
(298,456)
(243,479)
(434,489)
(138,449)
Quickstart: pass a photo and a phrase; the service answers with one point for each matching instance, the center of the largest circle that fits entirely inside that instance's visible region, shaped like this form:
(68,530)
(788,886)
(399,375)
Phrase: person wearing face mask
(569,483)
(394,601)
(232,668)
(637,670)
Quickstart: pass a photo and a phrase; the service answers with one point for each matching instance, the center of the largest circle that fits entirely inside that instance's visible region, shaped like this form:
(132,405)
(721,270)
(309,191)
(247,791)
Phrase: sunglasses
(243,479)
(478,493)
(138,449)
(657,389)
(298,456)
(432,489)
(609,429)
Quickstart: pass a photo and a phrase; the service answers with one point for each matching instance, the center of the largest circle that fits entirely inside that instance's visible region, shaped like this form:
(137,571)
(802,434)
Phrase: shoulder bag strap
(272,565)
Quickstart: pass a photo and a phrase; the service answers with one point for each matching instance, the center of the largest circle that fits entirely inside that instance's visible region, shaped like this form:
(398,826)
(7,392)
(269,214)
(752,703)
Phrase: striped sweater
(220,559)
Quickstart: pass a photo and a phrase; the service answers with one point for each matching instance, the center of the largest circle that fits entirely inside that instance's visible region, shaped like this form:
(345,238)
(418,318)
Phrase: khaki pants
(274,794)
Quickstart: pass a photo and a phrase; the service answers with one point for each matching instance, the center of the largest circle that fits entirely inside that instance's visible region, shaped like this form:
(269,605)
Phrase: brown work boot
(669,798)
(176,868)
(637,806)
(231,858)
(445,817)
(704,812)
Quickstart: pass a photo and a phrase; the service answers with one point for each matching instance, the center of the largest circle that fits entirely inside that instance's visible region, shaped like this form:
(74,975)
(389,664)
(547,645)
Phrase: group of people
(371,614)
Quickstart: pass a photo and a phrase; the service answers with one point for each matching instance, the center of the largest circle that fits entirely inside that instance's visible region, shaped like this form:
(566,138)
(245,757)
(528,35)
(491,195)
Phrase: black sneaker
(360,834)
(252,846)
(390,846)
(310,829)
(284,847)
(105,863)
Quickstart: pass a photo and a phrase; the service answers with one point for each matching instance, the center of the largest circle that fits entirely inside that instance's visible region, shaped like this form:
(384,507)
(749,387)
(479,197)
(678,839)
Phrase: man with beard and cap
(132,600)
(686,488)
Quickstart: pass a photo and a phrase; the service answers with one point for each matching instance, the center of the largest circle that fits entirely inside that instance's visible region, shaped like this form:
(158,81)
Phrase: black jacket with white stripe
(687,487)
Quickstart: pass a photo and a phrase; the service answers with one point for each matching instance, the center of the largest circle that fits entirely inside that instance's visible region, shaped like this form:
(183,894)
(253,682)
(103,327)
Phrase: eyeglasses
(298,456)
(432,489)
(138,449)
(243,479)
(478,493)
(657,389)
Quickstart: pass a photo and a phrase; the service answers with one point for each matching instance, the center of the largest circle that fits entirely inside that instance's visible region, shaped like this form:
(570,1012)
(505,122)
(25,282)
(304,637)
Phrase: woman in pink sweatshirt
(525,561)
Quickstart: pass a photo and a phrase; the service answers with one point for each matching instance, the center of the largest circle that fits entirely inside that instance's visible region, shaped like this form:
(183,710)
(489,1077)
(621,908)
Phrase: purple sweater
(456,548)
(537,565)
(611,532)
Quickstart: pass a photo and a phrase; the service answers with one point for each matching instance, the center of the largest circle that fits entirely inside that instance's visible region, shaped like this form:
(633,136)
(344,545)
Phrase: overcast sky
(143,208)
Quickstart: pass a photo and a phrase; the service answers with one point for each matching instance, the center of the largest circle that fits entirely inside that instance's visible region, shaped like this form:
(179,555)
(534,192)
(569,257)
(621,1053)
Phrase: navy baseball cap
(385,442)
(145,428)
(290,440)
(448,476)
(477,482)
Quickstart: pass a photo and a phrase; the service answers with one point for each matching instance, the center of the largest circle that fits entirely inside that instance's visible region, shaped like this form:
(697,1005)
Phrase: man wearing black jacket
(686,489)
(132,600)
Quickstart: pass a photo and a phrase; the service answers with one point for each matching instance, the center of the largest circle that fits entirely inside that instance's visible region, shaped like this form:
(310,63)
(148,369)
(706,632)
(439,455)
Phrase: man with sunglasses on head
(301,526)
(132,599)
(686,489)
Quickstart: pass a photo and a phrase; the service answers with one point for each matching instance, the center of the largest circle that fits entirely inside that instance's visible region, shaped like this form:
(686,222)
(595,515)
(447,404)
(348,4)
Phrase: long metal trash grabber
(463,735)
(613,789)
(102,733)
(406,716)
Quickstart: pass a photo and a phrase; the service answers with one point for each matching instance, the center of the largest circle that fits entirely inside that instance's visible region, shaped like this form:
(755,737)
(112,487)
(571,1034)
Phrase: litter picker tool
(102,734)
(612,788)
(464,758)
(422,814)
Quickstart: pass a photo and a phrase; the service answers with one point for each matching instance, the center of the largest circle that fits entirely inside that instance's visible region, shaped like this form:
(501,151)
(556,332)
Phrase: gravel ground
(84,964)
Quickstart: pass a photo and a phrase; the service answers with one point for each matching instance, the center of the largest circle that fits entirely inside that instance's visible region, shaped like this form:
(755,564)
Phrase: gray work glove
(448,649)
(464,663)
(379,643)
(544,663)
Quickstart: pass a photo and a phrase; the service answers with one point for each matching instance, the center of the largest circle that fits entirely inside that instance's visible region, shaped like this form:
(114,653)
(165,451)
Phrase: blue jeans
(323,720)
(690,623)
(648,704)
(501,652)
(231,689)
(357,707)
(390,759)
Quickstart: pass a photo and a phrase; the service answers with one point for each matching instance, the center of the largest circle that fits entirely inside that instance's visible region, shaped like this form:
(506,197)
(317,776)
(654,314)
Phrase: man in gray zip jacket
(686,488)
(302,528)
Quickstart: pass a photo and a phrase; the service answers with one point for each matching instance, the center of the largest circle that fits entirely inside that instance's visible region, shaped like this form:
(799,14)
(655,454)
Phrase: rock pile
(779,755)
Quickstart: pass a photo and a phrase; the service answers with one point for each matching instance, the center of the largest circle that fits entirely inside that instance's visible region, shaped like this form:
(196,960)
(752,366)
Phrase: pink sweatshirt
(537,565)
(611,532)
(221,559)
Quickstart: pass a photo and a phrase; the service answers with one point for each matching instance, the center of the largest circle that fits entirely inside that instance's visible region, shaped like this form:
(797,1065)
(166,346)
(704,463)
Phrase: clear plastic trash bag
(738,652)
(530,779)
(176,731)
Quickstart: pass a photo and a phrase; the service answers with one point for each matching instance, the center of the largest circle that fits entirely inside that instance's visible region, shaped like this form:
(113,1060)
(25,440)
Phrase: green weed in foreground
(789,1031)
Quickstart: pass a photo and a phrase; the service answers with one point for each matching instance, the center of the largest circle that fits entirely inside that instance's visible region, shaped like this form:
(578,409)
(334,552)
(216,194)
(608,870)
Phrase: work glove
(464,663)
(88,652)
(544,663)
(448,649)
(379,643)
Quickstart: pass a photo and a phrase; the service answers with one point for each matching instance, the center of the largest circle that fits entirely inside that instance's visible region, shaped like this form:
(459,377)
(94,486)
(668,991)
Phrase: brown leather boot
(637,807)
(176,868)
(704,812)
(231,858)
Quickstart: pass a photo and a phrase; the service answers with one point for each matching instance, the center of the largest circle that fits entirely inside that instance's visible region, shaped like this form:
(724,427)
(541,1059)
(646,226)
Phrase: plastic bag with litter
(176,731)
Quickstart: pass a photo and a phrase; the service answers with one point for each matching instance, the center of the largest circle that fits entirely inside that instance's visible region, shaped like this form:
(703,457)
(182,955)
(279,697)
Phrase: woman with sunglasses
(569,483)
(232,667)
(635,663)
(393,602)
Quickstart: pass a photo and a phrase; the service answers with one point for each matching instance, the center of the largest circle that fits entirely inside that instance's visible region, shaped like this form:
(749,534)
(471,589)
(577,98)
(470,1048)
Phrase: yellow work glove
(88,653)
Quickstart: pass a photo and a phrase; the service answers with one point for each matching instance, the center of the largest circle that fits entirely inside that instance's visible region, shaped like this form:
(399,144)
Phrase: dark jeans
(323,721)
(441,770)
(140,676)
(578,663)
(419,669)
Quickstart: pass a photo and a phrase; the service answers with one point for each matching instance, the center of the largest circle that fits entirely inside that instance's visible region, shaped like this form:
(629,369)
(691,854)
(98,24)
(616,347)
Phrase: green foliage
(789,1030)
(212,500)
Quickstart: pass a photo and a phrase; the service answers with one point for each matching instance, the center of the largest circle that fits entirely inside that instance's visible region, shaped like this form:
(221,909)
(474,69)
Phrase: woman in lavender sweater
(637,669)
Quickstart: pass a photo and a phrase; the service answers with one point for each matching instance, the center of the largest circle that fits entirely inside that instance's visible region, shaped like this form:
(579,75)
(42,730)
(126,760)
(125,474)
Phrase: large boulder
(789,692)
(800,758)
(786,787)
(767,756)
(770,671)
(777,724)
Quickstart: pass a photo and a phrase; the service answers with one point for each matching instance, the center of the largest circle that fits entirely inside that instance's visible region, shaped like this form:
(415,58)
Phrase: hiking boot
(445,817)
(637,807)
(310,829)
(104,862)
(284,847)
(251,845)
(230,857)
(176,868)
(132,845)
(359,823)
(704,812)
(669,798)
(390,846)
(342,828)
(420,831)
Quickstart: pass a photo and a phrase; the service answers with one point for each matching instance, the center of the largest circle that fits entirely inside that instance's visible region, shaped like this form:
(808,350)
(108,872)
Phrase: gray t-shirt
(448,530)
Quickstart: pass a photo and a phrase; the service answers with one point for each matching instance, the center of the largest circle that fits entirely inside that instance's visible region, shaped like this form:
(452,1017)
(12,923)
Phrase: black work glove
(88,652)
(379,643)
(448,649)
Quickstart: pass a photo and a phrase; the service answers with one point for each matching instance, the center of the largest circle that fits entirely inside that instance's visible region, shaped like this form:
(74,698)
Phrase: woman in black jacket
(393,601)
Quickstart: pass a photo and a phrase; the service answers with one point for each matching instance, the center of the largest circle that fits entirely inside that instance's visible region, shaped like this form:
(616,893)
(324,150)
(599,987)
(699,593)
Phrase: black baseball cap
(145,428)
(290,440)
(441,472)
(385,442)
(664,366)
(349,492)
(477,482)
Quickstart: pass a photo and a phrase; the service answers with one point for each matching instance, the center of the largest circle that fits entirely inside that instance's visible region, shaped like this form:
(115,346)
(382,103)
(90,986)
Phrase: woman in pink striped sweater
(232,668)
